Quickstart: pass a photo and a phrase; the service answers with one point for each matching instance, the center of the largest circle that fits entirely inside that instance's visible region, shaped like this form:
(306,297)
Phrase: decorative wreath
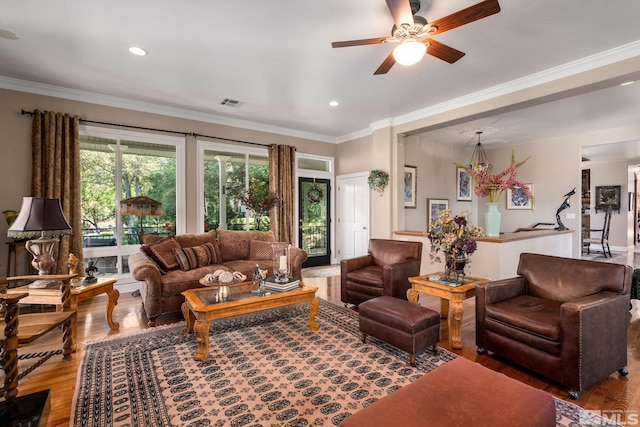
(378,180)
(315,194)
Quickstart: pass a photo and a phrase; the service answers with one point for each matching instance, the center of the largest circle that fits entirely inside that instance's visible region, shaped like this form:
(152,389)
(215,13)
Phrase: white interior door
(352,197)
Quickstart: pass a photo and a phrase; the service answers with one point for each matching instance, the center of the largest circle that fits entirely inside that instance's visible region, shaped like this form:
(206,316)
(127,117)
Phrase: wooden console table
(16,248)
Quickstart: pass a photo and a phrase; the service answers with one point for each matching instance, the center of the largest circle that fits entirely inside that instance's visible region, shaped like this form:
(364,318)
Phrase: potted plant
(259,203)
(378,180)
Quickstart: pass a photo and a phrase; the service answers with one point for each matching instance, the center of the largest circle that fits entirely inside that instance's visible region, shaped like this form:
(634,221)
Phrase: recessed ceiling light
(627,83)
(138,51)
(334,103)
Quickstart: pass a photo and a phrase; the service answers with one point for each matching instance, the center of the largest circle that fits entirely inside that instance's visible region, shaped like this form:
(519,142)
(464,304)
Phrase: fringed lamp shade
(39,217)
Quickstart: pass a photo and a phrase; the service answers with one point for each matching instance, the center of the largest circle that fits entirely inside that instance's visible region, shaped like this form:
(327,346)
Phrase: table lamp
(42,217)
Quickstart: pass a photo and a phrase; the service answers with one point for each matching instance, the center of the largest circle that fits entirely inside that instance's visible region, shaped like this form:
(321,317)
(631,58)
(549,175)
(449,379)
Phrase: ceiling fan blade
(444,52)
(401,12)
(348,43)
(386,65)
(465,16)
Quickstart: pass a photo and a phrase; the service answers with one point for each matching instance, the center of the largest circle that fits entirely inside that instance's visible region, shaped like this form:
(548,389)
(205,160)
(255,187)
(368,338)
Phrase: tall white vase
(492,220)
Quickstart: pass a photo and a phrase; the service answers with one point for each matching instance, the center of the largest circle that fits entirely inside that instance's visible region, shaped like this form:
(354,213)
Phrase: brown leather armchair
(563,318)
(385,270)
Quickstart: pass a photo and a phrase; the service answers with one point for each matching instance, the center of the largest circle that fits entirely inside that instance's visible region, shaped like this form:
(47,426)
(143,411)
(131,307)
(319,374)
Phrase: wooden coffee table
(201,307)
(451,297)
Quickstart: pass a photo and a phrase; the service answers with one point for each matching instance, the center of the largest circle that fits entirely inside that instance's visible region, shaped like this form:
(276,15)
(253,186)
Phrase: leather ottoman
(408,326)
(460,393)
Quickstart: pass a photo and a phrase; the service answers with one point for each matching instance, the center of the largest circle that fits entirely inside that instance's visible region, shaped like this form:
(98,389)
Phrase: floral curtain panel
(55,148)
(281,183)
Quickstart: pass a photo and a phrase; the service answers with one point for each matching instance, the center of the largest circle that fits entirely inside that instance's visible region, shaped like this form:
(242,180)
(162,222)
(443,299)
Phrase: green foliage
(97,188)
(150,175)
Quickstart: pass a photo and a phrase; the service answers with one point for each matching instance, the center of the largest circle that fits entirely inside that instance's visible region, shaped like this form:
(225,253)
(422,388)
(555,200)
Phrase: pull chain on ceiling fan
(414,33)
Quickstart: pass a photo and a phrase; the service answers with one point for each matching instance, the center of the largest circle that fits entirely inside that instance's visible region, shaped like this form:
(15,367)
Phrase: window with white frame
(117,165)
(226,174)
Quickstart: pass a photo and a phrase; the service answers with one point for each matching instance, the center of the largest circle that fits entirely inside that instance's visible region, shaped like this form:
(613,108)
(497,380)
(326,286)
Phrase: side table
(16,248)
(79,293)
(451,297)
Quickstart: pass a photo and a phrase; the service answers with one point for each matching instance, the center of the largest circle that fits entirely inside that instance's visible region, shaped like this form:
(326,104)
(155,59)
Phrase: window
(227,172)
(117,165)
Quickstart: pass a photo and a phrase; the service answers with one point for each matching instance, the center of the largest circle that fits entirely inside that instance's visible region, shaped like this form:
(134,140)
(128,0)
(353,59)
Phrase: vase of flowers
(492,185)
(455,239)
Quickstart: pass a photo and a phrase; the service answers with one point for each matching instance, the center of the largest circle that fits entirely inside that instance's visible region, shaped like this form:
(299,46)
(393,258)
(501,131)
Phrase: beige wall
(436,178)
(354,156)
(554,168)
(15,141)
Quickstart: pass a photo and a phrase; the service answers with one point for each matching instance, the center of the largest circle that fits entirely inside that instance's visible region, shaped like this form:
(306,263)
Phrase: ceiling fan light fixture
(409,52)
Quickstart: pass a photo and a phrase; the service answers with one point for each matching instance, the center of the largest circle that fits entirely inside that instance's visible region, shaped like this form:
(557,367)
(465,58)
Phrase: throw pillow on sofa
(195,256)
(261,250)
(234,244)
(161,252)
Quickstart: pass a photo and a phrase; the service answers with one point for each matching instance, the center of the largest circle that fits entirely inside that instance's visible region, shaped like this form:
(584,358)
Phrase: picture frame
(464,185)
(434,207)
(608,196)
(516,199)
(410,186)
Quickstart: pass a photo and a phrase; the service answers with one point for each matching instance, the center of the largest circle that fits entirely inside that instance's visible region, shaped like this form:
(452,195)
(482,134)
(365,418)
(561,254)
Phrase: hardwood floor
(616,393)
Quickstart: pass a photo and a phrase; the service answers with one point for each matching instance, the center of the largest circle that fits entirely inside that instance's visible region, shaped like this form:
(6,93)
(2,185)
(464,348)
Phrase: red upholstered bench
(408,326)
(460,393)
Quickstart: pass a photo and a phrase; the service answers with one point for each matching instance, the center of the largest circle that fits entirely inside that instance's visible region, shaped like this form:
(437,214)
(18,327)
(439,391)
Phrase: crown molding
(147,107)
(609,57)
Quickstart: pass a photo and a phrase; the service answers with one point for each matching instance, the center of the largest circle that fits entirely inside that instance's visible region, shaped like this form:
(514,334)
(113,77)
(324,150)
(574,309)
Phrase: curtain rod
(31,113)
(230,140)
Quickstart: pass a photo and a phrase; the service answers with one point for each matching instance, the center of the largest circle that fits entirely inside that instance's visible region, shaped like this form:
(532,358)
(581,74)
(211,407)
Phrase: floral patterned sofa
(167,266)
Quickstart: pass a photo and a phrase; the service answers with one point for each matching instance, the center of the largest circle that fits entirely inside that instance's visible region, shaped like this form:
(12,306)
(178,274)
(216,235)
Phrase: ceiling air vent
(230,102)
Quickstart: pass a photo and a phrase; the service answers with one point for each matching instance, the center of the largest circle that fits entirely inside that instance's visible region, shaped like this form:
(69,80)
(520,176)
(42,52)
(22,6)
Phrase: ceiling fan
(414,33)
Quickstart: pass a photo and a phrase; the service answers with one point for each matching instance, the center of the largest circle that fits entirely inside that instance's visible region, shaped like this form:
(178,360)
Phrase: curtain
(281,183)
(55,173)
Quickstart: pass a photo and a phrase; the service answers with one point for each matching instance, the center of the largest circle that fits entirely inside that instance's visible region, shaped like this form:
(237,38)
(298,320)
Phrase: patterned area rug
(264,369)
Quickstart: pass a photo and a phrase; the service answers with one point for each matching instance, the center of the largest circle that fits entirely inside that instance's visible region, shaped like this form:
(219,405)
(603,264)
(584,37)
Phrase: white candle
(283,262)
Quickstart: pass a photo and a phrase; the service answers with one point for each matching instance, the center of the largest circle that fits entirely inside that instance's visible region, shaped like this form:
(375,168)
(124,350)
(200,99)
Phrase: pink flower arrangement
(492,185)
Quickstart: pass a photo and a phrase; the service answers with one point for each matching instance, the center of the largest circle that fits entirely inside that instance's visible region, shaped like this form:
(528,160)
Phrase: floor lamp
(42,217)
(140,206)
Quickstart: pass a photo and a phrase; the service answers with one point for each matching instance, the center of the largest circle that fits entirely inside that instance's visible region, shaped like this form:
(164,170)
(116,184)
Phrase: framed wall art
(463,185)
(410,186)
(434,206)
(608,196)
(516,199)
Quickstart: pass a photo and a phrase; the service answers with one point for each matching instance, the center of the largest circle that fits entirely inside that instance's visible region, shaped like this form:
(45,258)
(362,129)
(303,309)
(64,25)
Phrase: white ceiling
(275,57)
